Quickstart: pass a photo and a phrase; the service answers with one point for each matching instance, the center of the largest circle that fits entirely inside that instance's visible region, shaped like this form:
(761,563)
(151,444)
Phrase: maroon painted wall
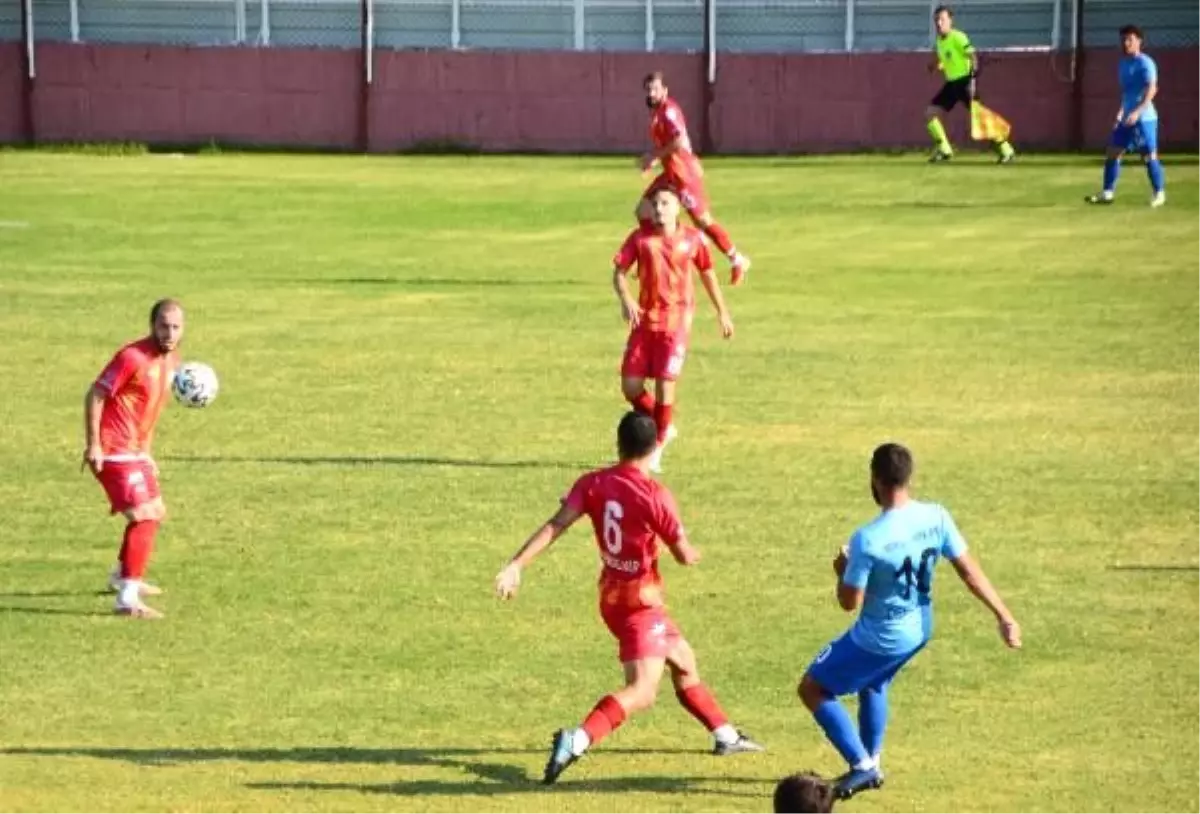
(10,92)
(555,101)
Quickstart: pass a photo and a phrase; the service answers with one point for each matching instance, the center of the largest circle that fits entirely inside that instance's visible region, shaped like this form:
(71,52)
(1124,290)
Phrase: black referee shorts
(953,92)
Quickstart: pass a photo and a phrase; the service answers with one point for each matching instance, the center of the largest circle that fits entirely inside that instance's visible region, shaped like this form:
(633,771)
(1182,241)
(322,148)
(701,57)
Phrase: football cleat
(561,757)
(744,743)
(856,780)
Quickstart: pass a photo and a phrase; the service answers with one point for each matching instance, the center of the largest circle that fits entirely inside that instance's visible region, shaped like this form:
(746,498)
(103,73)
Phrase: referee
(959,63)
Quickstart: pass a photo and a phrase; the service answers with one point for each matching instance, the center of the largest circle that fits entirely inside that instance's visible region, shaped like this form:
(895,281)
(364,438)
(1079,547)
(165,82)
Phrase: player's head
(637,436)
(891,470)
(943,19)
(166,324)
(1131,40)
(655,85)
(665,204)
(803,792)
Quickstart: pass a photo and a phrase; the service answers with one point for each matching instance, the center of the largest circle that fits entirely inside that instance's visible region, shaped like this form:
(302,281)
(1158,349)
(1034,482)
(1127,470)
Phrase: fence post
(849,25)
(73,9)
(1056,26)
(1078,53)
(368,74)
(239,22)
(264,23)
(29,71)
(710,73)
(649,26)
(455,24)
(578,25)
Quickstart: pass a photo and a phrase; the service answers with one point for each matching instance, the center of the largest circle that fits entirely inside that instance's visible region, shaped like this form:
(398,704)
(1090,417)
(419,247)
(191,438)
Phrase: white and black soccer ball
(195,385)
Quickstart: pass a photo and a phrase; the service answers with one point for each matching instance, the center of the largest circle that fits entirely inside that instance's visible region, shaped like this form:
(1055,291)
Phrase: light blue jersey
(1137,75)
(892,559)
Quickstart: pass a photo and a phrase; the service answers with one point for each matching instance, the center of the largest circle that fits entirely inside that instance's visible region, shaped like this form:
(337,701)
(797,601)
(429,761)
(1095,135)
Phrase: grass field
(417,357)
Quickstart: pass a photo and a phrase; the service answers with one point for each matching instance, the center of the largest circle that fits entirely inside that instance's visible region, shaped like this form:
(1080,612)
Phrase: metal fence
(608,25)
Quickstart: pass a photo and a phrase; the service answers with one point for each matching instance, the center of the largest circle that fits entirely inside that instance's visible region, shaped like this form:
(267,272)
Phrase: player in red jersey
(121,409)
(681,171)
(630,512)
(660,320)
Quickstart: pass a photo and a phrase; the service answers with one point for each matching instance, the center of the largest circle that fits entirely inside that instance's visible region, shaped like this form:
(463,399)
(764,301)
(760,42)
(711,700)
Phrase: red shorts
(129,484)
(643,634)
(692,196)
(654,355)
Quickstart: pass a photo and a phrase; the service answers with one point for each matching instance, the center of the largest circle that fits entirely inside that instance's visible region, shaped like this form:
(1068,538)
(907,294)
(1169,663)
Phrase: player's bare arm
(977,582)
(93,405)
(509,578)
(849,598)
(683,551)
(709,280)
(629,307)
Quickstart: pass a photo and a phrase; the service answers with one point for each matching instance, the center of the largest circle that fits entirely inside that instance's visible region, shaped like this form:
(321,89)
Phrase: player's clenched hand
(93,458)
(1010,632)
(508,581)
(685,554)
(726,325)
(646,161)
(1132,118)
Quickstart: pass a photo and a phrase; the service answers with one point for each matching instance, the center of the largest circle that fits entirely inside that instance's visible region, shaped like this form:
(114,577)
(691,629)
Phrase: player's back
(898,551)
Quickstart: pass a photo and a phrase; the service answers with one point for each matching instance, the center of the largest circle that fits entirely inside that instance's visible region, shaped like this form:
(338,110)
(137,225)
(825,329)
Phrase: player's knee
(812,694)
(632,389)
(931,112)
(642,696)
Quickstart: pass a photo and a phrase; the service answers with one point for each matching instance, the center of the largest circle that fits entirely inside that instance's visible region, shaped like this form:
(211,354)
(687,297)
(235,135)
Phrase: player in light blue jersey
(887,571)
(1137,121)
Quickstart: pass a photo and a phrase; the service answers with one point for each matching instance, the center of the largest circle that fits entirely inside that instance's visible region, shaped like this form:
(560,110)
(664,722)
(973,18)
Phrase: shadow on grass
(486,777)
(52,611)
(1184,569)
(373,460)
(440,282)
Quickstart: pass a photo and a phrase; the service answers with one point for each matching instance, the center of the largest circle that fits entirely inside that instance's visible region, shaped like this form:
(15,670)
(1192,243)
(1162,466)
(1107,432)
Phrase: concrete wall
(558,101)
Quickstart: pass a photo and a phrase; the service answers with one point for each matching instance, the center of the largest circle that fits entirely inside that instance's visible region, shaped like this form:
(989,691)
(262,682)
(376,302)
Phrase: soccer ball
(195,385)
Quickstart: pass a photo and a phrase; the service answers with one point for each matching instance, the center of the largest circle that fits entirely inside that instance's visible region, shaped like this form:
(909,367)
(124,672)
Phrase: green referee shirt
(954,55)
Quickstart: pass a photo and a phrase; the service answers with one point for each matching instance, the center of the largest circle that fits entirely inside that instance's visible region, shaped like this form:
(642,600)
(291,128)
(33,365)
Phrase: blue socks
(1112,168)
(872,718)
(1154,169)
(841,732)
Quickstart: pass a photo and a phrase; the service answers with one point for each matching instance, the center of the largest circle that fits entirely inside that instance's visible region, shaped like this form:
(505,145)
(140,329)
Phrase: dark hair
(165,304)
(949,11)
(637,435)
(653,76)
(891,465)
(1126,30)
(803,792)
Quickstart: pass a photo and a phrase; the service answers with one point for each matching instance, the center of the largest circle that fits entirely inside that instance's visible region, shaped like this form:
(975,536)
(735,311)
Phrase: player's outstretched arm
(629,306)
(93,405)
(977,582)
(709,280)
(509,578)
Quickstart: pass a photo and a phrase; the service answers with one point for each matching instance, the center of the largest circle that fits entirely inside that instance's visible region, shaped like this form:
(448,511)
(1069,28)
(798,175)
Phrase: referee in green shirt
(959,63)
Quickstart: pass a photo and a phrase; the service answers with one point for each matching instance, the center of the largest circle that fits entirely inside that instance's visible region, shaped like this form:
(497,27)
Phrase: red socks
(719,236)
(136,548)
(607,715)
(662,417)
(644,403)
(704,708)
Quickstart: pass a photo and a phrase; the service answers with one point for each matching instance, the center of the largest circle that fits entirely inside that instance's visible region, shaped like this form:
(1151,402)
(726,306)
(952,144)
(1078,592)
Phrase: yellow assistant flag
(988,125)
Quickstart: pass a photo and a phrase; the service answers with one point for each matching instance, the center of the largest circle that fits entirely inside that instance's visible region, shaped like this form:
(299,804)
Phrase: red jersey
(630,512)
(666,125)
(137,382)
(666,291)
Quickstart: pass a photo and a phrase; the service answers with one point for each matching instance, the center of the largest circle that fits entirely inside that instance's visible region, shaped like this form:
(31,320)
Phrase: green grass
(418,355)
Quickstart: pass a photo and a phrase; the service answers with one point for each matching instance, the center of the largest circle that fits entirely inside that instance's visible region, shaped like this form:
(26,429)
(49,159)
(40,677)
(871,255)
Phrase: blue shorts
(1140,137)
(843,667)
